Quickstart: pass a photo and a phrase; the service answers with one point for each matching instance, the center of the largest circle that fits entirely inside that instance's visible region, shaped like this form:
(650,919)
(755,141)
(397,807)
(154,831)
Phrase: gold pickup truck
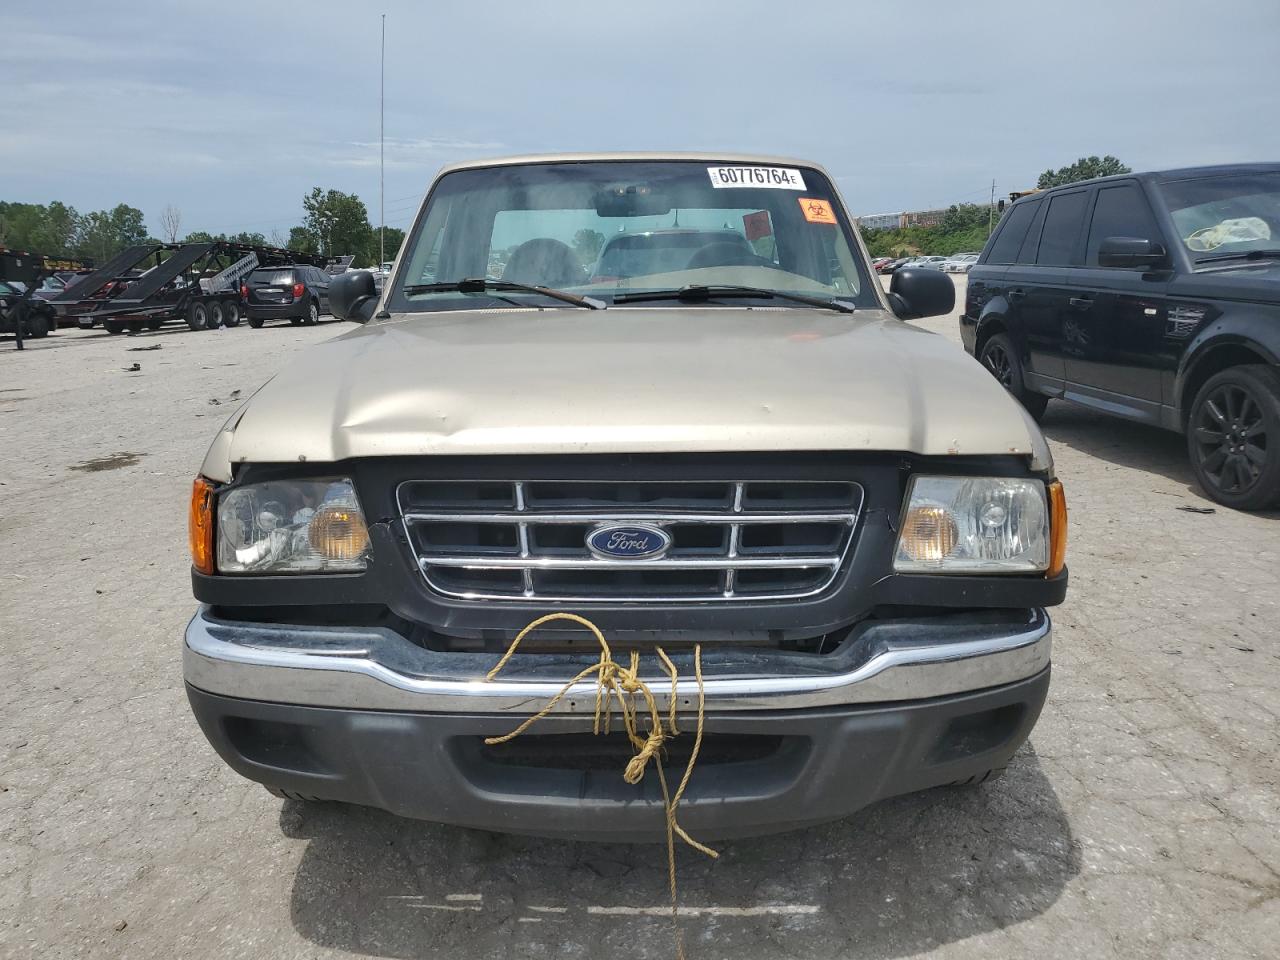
(720,440)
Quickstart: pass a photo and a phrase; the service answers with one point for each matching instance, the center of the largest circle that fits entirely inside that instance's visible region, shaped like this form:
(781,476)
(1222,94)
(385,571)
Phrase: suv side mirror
(1130,252)
(915,292)
(352,296)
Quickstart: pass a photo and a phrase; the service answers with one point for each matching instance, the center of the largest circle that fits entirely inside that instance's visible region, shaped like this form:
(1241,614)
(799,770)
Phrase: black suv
(297,291)
(1152,296)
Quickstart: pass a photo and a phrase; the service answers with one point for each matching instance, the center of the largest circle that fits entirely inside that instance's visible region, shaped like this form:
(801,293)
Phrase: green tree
(51,230)
(963,217)
(303,240)
(588,244)
(394,238)
(128,224)
(1086,168)
(341,223)
(96,237)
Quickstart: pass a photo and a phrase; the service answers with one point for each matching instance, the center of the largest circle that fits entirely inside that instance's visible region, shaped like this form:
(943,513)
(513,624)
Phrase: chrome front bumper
(362,668)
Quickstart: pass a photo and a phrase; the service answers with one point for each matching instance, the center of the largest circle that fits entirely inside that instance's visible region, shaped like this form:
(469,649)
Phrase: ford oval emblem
(633,541)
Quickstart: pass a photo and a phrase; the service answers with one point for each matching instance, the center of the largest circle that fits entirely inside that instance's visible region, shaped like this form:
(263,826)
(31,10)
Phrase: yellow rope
(615,680)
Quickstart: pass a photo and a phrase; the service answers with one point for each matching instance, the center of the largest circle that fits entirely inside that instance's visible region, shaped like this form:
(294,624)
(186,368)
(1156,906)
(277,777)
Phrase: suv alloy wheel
(1233,437)
(1000,357)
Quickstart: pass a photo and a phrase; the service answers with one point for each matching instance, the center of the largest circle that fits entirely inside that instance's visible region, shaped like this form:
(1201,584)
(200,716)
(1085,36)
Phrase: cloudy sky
(231,111)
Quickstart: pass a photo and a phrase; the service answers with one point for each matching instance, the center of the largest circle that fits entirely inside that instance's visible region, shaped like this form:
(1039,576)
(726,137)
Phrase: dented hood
(628,380)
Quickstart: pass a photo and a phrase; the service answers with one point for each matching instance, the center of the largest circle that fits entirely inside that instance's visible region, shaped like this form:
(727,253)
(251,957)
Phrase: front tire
(37,324)
(1233,437)
(1001,359)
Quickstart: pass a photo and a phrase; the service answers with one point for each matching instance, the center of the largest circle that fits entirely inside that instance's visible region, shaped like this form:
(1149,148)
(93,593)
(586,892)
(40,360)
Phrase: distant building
(923,218)
(881,221)
(895,221)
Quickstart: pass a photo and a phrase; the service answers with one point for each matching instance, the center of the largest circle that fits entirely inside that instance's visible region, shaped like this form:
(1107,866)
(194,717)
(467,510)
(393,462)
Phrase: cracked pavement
(1140,821)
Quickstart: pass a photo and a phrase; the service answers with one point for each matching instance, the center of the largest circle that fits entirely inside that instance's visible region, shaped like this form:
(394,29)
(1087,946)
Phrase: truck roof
(656,156)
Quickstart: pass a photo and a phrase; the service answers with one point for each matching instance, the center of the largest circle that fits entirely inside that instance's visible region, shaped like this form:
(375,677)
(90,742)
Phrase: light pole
(382,151)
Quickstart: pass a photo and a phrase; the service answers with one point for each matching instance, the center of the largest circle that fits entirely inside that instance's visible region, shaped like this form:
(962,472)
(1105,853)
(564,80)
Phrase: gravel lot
(1140,821)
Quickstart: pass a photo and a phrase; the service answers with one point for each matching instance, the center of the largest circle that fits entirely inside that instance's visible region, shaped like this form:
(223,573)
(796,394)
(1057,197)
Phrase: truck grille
(729,540)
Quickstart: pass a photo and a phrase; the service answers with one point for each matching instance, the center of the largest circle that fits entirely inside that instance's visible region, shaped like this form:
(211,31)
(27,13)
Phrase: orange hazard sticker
(817,211)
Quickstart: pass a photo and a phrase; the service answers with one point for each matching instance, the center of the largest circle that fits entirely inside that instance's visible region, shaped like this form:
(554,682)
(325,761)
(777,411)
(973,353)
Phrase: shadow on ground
(1127,444)
(900,877)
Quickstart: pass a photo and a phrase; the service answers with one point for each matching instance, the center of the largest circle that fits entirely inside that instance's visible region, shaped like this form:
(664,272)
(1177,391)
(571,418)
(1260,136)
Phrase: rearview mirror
(352,296)
(915,292)
(631,200)
(1130,252)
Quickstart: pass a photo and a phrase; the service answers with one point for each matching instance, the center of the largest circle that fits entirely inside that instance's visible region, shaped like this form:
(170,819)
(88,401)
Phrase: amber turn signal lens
(929,534)
(1057,529)
(338,532)
(200,525)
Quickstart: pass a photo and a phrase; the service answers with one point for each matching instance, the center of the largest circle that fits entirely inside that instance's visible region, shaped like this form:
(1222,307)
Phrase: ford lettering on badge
(630,542)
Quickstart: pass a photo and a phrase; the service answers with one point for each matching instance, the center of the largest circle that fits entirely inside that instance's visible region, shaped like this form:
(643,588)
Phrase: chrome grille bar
(640,516)
(731,540)
(594,563)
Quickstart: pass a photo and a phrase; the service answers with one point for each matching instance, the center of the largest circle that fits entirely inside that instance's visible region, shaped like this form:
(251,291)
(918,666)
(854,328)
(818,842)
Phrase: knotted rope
(614,680)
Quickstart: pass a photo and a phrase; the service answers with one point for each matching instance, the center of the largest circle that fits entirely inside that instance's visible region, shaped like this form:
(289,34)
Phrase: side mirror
(915,292)
(352,296)
(1130,252)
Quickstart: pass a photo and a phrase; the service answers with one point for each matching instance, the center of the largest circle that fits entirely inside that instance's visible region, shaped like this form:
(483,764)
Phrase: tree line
(334,224)
(966,226)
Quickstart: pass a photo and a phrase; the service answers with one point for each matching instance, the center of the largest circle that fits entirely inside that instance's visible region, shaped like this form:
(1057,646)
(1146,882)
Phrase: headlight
(974,525)
(292,526)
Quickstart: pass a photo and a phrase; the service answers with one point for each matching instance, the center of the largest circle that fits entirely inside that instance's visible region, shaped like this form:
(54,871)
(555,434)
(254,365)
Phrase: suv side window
(1061,229)
(1012,232)
(1119,212)
(1027,252)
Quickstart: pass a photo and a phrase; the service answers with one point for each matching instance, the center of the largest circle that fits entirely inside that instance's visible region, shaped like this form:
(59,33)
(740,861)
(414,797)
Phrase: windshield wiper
(485,284)
(719,291)
(1243,255)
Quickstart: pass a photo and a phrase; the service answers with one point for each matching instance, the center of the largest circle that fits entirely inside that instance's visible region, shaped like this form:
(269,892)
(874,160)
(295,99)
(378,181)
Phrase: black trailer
(21,312)
(147,285)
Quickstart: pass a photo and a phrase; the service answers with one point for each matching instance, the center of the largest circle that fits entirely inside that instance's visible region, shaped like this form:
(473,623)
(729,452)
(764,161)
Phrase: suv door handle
(1081,303)
(1017,293)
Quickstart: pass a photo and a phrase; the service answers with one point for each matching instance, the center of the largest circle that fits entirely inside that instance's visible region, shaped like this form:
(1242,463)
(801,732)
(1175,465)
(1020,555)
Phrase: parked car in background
(894,265)
(298,293)
(53,285)
(380,273)
(1154,297)
(959,263)
(929,263)
(36,316)
(880,262)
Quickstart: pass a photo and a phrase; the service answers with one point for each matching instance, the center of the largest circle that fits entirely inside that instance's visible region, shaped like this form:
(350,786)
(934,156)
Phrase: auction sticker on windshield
(773,178)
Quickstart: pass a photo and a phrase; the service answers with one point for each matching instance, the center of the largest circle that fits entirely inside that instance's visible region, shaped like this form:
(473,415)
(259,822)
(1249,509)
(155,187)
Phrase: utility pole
(382,151)
(991,210)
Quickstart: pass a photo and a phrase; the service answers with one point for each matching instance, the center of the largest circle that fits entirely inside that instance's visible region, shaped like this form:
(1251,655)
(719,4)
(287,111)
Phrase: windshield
(1215,216)
(605,229)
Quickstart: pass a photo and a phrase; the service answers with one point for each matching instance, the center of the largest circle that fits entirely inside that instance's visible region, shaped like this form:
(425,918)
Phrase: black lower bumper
(797,768)
(283,311)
